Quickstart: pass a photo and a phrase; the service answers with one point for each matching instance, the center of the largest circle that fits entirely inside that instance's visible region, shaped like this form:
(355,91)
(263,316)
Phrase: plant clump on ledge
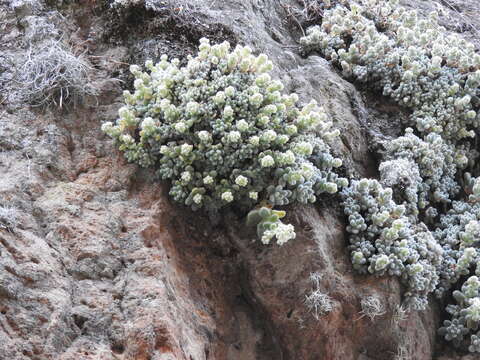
(222,132)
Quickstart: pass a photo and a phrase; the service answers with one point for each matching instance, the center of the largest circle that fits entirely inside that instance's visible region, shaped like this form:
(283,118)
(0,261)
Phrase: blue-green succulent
(221,130)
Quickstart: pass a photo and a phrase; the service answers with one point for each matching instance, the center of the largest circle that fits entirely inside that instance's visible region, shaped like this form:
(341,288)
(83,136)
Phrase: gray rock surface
(99,264)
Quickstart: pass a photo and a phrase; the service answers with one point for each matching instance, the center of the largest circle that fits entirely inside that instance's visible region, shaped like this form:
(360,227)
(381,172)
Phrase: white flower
(186,176)
(254,140)
(256,99)
(204,45)
(381,262)
(307,170)
(331,188)
(267,161)
(284,232)
(219,98)
(245,65)
(230,91)
(288,157)
(134,69)
(124,112)
(268,66)
(207,180)
(107,126)
(186,149)
(281,107)
(227,196)
(204,136)
(470,253)
(197,199)
(471,114)
(180,127)
(138,83)
(228,111)
(275,86)
(232,60)
(270,109)
(148,122)
(241,180)
(246,51)
(193,107)
(234,136)
(336,162)
(269,135)
(263,80)
(261,59)
(303,148)
(473,311)
(242,125)
(126,138)
(253,195)
(264,120)
(267,236)
(291,129)
(416,268)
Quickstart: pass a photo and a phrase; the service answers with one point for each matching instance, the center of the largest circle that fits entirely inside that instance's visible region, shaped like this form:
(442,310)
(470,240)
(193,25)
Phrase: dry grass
(181,8)
(372,307)
(399,315)
(317,302)
(9,218)
(402,353)
(54,75)
(465,18)
(307,13)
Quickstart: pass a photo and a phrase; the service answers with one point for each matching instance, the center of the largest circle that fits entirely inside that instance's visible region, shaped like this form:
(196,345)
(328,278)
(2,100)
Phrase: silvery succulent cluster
(465,315)
(411,59)
(221,130)
(426,202)
(422,171)
(383,240)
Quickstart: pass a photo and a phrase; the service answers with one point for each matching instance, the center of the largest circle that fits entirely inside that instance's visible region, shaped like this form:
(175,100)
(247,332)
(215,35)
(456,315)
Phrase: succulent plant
(221,130)
(420,220)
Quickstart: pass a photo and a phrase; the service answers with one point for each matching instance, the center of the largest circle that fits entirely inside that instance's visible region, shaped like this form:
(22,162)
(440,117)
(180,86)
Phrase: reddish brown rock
(101,264)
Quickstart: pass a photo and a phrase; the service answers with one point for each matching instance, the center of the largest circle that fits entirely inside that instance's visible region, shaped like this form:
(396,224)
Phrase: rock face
(97,263)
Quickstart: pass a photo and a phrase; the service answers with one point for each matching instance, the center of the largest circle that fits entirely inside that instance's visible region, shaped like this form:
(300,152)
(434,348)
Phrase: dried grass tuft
(54,75)
(372,307)
(9,218)
(317,302)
